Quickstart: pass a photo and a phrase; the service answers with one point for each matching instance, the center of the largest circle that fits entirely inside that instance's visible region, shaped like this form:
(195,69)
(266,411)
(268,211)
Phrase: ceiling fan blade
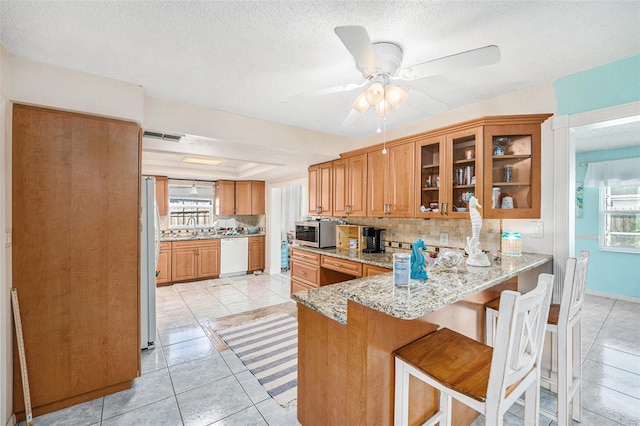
(321,92)
(352,118)
(356,39)
(482,56)
(425,102)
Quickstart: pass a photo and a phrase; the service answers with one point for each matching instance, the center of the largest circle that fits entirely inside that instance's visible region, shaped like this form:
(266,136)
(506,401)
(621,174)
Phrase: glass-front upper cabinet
(512,171)
(450,173)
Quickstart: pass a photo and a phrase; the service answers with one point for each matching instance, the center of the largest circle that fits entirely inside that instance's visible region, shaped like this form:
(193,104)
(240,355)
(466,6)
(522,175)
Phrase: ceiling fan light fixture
(361,104)
(375,93)
(396,96)
(383,108)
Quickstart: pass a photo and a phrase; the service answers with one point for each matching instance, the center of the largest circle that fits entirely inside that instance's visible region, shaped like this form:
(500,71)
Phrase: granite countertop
(206,237)
(444,287)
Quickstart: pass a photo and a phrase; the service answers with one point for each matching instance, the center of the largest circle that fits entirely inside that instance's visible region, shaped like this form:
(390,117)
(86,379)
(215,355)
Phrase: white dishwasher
(234,256)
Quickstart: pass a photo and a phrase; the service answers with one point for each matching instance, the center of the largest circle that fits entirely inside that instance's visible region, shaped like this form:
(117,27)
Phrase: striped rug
(269,348)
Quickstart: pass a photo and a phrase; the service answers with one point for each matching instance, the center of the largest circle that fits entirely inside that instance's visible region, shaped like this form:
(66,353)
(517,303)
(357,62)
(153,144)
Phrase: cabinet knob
(303,273)
(339,265)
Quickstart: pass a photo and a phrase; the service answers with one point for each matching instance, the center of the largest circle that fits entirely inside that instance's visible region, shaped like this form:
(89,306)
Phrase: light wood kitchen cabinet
(321,189)
(243,197)
(225,195)
(164,264)
(372,270)
(249,197)
(446,166)
(75,246)
(390,181)
(162,194)
(195,259)
(512,168)
(306,272)
(340,265)
(350,186)
(256,254)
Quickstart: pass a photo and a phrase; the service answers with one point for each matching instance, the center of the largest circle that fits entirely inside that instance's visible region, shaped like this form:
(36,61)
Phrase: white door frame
(564,155)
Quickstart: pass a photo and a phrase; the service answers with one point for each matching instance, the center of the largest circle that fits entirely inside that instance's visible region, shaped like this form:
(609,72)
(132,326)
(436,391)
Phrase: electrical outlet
(537,229)
(444,238)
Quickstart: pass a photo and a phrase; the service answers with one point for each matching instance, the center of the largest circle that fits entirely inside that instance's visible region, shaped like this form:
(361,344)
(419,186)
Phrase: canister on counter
(401,269)
(511,244)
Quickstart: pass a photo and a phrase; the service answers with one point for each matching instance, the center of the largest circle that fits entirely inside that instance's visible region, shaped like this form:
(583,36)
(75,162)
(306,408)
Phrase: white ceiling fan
(380,65)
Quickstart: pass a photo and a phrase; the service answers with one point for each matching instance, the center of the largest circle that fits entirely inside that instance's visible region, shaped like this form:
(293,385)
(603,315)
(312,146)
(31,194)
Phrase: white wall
(175,117)
(46,85)
(6,354)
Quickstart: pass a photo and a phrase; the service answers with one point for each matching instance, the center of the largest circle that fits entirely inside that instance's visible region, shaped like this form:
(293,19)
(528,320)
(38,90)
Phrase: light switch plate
(444,238)
(537,229)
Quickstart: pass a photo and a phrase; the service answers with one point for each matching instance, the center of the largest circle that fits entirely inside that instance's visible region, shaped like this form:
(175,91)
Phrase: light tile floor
(185,381)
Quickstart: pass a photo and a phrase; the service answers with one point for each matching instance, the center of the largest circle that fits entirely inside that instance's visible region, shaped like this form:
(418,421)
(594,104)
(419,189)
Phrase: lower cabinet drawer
(341,265)
(305,273)
(305,256)
(297,286)
(371,270)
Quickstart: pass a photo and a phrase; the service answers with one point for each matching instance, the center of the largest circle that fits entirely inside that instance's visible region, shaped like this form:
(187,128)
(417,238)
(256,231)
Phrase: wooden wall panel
(75,254)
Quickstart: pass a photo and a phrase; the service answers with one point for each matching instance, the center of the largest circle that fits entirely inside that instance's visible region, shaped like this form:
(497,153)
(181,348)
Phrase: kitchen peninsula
(349,330)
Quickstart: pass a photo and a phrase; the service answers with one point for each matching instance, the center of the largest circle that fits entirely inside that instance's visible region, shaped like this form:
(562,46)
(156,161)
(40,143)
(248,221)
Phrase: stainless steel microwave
(320,234)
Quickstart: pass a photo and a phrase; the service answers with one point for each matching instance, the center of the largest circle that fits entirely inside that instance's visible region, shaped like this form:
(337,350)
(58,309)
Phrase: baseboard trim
(613,296)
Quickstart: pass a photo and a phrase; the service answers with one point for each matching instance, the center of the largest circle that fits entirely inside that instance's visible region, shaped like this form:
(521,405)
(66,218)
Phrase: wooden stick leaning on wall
(23,359)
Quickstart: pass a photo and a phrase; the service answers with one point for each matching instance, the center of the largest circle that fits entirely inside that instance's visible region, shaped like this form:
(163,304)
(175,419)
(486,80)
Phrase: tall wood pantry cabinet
(75,255)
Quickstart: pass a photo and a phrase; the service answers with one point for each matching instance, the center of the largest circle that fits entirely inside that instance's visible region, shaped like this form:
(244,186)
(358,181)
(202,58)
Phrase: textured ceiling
(242,56)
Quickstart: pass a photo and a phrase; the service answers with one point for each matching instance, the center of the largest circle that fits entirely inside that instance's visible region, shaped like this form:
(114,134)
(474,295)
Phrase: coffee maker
(373,239)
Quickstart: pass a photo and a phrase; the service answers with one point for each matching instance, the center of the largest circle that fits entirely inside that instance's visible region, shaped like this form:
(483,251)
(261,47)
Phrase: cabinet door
(225,197)
(164,264)
(257,197)
(184,264)
(340,187)
(320,189)
(162,194)
(256,254)
(399,188)
(357,185)
(430,191)
(314,205)
(376,177)
(463,173)
(243,197)
(208,260)
(512,171)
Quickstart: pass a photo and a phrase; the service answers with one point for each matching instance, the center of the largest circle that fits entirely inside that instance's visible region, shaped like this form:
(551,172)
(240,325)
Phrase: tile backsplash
(401,233)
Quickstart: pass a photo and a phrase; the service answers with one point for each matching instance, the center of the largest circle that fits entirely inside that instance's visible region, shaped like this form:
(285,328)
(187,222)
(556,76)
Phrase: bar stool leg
(577,370)
(564,373)
(401,405)
(531,403)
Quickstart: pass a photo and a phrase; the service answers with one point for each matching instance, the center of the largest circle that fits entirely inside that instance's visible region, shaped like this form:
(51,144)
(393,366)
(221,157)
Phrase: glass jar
(508,173)
(401,269)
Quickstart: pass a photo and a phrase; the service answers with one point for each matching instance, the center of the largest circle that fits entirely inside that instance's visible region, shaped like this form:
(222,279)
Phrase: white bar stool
(489,380)
(565,320)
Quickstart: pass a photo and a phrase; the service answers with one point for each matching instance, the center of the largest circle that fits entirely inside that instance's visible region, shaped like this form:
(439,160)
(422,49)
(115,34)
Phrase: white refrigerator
(149,251)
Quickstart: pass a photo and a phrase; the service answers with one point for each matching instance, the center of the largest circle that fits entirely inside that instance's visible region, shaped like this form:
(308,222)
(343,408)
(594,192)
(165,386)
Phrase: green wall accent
(612,84)
(609,272)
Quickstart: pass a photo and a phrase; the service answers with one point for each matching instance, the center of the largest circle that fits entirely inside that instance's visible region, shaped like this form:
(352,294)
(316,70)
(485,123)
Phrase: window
(185,207)
(620,218)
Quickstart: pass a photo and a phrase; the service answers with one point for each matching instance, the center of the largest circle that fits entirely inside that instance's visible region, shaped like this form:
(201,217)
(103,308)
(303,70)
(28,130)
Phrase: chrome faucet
(195,231)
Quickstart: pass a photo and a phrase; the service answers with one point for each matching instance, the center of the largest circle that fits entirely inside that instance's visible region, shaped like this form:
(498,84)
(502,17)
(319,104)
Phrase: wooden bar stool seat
(564,320)
(489,380)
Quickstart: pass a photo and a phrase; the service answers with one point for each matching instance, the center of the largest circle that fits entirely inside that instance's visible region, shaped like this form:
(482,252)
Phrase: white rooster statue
(476,256)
